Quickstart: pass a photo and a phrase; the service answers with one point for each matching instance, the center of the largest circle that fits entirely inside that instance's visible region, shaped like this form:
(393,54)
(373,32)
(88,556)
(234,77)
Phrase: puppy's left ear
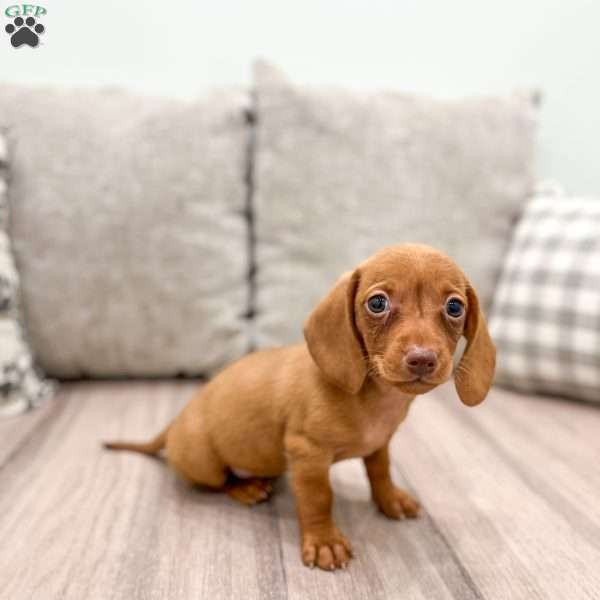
(332,338)
(475,372)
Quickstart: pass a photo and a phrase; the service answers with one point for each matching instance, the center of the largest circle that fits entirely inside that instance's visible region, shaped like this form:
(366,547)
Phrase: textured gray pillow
(129,229)
(21,385)
(545,318)
(339,174)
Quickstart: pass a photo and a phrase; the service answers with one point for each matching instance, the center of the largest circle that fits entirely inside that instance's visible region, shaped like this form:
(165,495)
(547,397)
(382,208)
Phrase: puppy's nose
(420,361)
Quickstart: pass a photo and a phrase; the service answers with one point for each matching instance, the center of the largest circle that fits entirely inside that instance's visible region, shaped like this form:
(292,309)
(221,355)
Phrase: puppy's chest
(372,428)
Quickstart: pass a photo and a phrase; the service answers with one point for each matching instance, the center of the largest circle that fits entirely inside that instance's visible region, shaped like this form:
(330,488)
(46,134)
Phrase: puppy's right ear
(332,338)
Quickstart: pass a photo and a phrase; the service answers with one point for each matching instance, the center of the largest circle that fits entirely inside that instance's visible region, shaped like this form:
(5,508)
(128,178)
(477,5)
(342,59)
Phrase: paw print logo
(24,31)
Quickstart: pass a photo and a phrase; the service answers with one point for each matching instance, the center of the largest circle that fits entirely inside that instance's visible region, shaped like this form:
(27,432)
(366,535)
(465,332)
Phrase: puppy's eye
(377,304)
(455,308)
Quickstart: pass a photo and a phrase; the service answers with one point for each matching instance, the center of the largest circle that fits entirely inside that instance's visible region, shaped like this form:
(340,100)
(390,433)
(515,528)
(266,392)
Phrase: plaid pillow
(545,319)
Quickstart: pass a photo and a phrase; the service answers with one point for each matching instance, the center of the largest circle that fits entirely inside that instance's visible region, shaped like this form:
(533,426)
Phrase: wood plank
(512,540)
(510,493)
(80,522)
(555,463)
(14,431)
(394,559)
(564,431)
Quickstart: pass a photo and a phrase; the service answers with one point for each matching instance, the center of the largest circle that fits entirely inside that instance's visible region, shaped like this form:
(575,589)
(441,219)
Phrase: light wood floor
(511,492)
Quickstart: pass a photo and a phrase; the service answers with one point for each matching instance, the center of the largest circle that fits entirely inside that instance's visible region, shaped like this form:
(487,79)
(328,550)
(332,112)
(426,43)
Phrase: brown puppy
(384,334)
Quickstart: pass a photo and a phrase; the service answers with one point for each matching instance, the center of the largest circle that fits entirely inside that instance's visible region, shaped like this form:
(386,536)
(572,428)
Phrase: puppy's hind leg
(248,490)
(192,456)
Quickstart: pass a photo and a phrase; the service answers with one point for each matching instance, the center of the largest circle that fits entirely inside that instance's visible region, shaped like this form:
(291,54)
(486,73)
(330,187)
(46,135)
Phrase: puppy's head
(398,317)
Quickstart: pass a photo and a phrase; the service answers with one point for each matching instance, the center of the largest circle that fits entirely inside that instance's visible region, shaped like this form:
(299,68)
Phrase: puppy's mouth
(409,384)
(418,385)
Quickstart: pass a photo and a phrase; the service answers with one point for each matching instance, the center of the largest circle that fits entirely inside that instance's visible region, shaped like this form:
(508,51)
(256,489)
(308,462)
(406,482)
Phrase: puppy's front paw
(398,504)
(328,550)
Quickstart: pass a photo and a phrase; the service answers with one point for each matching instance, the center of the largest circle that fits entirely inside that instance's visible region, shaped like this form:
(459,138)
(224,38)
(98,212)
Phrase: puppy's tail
(153,447)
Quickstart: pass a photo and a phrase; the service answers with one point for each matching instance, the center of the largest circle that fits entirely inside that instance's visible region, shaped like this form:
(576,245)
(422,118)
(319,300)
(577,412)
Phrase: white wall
(444,48)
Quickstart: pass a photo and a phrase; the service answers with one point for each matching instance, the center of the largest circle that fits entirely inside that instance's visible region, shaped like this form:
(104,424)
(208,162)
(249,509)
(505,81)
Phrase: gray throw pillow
(129,229)
(546,314)
(340,173)
(21,384)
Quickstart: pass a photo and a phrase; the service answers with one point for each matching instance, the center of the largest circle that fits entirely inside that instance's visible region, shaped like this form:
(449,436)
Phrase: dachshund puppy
(384,334)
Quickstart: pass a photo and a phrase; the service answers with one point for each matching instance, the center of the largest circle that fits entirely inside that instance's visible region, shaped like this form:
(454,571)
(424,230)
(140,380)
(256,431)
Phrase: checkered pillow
(546,314)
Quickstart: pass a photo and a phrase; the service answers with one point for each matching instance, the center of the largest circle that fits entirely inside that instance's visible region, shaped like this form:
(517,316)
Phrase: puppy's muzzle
(420,361)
